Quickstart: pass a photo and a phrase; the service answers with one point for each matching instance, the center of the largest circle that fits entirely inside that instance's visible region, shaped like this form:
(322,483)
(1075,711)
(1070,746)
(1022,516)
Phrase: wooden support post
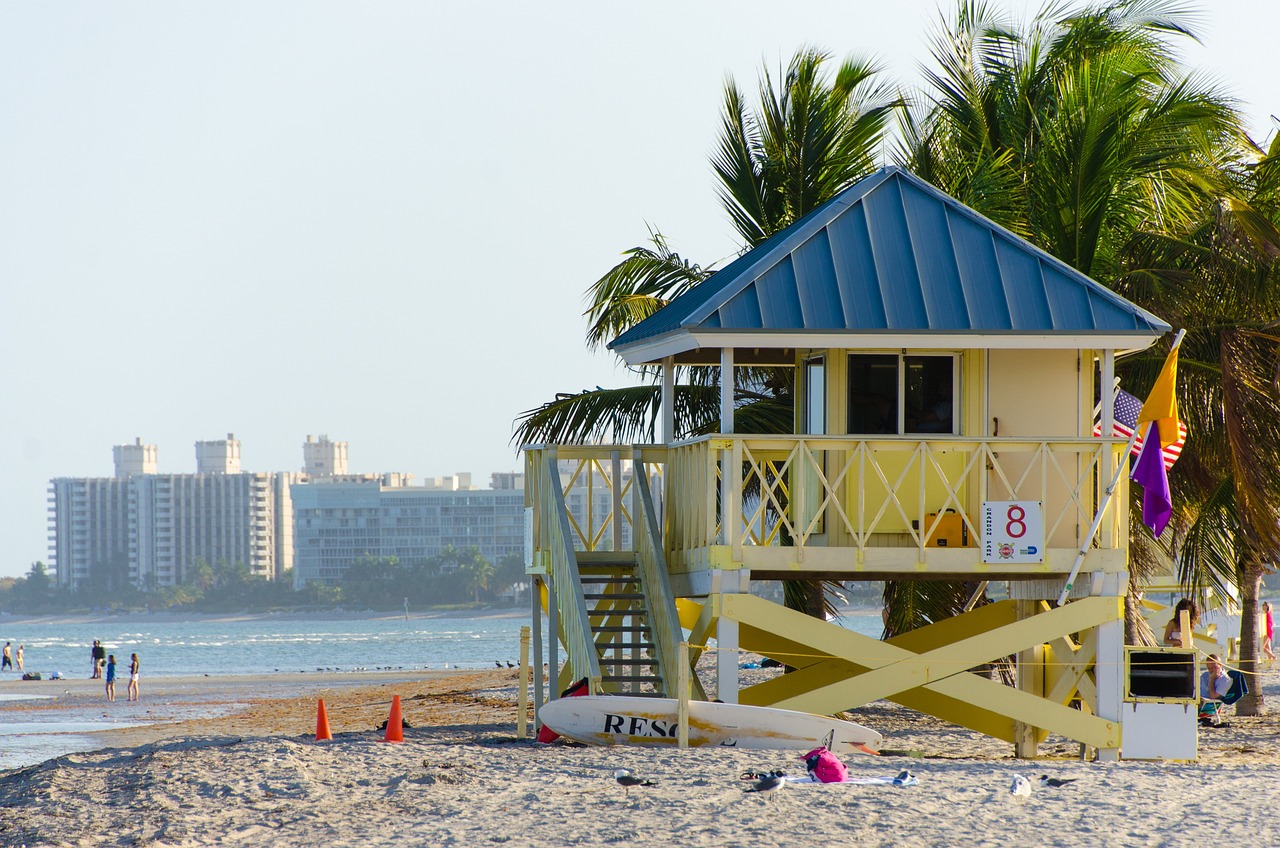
(682,696)
(538,693)
(668,400)
(522,713)
(553,644)
(727,639)
(1109,668)
(1031,681)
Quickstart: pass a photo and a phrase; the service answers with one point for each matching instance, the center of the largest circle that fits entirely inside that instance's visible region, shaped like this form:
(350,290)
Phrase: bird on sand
(627,780)
(1056,782)
(769,782)
(1020,787)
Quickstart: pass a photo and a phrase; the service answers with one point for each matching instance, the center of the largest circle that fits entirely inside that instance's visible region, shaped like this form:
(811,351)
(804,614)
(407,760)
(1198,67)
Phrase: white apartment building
(337,523)
(148,529)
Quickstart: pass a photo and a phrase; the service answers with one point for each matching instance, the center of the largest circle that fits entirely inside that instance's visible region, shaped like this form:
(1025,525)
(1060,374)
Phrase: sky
(373,221)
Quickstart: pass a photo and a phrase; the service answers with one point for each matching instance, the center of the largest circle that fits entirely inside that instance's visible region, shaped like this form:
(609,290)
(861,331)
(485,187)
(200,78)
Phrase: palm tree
(1080,132)
(1221,281)
(810,137)
(1076,131)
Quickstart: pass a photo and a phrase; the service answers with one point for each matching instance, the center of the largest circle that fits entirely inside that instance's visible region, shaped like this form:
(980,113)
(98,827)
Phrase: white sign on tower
(1012,531)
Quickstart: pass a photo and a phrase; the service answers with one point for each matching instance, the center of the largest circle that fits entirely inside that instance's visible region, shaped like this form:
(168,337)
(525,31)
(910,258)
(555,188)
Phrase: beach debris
(757,774)
(1020,787)
(1056,782)
(906,778)
(322,723)
(626,779)
(769,783)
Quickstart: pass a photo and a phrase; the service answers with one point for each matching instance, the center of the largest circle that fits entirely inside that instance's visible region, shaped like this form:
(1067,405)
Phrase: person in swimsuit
(133,677)
(111,677)
(98,655)
(1172,630)
(1268,634)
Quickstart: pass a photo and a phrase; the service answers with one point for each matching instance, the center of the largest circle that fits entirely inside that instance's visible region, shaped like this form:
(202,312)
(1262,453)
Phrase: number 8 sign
(1012,531)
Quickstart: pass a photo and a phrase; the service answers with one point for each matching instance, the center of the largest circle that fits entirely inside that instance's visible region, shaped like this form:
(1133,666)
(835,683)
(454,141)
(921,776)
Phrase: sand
(461,776)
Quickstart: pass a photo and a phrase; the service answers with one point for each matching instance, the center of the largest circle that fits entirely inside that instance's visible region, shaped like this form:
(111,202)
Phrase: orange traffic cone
(322,723)
(395,726)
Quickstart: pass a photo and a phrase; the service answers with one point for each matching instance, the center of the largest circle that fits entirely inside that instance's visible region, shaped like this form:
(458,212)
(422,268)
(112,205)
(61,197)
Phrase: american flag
(1126,418)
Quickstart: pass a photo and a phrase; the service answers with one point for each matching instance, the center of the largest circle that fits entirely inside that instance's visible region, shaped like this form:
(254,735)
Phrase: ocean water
(257,645)
(221,646)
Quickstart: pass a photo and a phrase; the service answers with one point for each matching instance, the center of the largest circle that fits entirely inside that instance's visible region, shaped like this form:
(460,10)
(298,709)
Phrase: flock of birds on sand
(768,782)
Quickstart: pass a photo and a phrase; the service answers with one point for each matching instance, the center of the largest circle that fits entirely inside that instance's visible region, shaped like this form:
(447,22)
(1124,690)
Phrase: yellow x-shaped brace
(926,669)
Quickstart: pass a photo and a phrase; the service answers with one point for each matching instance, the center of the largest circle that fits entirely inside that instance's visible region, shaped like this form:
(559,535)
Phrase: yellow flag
(1161,405)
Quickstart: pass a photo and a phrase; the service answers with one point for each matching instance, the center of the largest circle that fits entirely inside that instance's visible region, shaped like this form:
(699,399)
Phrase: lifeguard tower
(947,373)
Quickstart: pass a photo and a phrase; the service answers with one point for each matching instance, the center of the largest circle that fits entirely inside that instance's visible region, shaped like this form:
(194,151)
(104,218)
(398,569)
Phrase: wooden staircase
(621,626)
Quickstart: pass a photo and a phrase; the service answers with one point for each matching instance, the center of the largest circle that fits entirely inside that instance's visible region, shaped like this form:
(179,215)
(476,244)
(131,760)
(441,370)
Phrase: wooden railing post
(682,696)
(522,714)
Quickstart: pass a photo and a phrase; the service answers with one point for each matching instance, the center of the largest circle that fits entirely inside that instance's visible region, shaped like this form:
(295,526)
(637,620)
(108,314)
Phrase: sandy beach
(258,777)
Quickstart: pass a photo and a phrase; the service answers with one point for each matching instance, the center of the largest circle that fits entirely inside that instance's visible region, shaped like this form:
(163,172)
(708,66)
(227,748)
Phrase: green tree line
(454,578)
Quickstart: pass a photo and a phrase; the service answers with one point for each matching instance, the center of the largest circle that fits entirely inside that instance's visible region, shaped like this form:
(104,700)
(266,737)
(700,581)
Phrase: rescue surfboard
(631,720)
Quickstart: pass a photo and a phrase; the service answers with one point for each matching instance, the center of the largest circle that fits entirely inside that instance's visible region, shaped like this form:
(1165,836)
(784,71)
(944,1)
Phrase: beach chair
(1211,711)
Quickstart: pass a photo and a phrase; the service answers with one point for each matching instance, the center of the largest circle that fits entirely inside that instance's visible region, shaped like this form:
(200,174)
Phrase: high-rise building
(337,523)
(323,458)
(148,529)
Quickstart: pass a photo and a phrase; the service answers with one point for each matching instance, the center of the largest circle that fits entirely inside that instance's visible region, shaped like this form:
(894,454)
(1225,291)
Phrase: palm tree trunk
(1250,586)
(1136,629)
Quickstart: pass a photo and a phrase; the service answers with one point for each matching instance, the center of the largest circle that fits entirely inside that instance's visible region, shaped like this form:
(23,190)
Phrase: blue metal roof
(893,256)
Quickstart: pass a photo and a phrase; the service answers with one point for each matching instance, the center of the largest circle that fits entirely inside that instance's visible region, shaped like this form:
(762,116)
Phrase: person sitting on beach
(1215,683)
(1173,630)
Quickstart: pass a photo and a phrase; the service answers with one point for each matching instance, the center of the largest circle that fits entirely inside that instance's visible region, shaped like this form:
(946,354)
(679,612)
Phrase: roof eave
(655,349)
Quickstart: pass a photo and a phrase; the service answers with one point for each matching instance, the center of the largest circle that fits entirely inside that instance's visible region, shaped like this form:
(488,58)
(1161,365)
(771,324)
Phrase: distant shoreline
(315,615)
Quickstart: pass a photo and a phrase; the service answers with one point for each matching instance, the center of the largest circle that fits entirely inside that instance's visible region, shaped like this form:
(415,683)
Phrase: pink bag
(825,766)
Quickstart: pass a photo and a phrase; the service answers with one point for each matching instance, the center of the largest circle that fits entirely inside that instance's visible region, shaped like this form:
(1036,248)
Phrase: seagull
(1020,787)
(627,780)
(770,782)
(1056,783)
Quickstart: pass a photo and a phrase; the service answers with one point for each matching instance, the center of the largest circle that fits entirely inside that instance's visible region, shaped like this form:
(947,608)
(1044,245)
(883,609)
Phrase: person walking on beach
(111,677)
(18,656)
(133,677)
(7,662)
(99,655)
(1268,634)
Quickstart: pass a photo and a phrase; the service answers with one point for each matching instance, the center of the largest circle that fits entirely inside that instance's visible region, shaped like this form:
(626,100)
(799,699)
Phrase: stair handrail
(655,583)
(566,584)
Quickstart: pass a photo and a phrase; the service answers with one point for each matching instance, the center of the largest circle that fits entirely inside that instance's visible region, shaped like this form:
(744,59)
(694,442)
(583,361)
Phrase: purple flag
(1149,472)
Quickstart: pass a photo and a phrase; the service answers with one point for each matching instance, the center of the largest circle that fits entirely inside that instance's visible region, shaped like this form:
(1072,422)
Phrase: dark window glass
(930,395)
(873,393)
(891,394)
